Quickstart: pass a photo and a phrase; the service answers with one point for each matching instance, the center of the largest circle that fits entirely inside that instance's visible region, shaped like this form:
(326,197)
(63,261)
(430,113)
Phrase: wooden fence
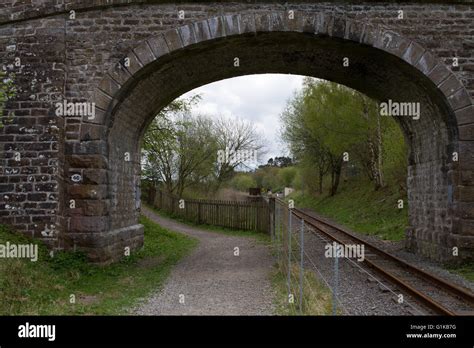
(252,216)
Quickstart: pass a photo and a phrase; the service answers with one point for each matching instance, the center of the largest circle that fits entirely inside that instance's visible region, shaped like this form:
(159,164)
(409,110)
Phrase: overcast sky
(257,98)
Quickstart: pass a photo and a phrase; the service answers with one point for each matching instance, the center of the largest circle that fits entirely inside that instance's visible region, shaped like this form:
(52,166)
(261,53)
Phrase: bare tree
(238,144)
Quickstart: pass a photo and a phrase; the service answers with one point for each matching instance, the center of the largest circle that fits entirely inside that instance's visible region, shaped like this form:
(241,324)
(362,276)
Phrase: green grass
(44,287)
(259,236)
(466,271)
(362,209)
(358,206)
(317,298)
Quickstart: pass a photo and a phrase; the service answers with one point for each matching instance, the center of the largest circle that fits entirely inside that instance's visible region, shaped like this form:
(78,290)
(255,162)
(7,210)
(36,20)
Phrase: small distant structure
(255,194)
(288,191)
(255,191)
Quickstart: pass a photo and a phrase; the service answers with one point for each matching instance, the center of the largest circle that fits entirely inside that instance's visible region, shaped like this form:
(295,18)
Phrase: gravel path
(211,280)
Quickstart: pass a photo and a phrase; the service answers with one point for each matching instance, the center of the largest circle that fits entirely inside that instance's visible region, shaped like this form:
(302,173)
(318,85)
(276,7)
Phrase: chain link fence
(313,278)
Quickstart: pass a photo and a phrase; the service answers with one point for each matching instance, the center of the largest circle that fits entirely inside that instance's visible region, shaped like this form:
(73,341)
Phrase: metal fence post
(277,232)
(272,213)
(289,250)
(301,264)
(336,281)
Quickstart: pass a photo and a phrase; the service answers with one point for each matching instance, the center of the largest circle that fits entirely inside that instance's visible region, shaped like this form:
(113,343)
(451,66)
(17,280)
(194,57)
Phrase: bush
(242,182)
(287,175)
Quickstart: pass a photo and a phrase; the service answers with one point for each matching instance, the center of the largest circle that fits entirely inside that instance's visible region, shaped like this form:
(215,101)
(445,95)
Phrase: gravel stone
(213,280)
(357,292)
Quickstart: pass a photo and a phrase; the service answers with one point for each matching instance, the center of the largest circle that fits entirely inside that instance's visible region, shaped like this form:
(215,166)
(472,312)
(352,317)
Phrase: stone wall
(76,59)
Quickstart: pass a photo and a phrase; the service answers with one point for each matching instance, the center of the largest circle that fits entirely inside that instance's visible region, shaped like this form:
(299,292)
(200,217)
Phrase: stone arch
(383,65)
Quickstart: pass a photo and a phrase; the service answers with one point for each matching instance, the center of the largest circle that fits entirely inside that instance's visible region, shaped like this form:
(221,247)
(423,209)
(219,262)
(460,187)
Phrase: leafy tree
(326,120)
(242,182)
(179,149)
(281,162)
(161,129)
(303,142)
(286,176)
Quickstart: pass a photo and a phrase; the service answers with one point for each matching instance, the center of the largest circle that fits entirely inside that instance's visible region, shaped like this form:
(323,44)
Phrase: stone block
(187,35)
(247,23)
(88,224)
(354,30)
(201,31)
(413,53)
(87,161)
(94,176)
(426,63)
(158,45)
(339,27)
(439,73)
(465,115)
(231,25)
(459,99)
(144,53)
(109,86)
(324,24)
(449,85)
(82,191)
(173,40)
(92,132)
(262,22)
(392,43)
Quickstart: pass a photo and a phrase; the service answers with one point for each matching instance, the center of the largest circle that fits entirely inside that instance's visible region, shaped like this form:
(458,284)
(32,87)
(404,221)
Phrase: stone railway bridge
(73,180)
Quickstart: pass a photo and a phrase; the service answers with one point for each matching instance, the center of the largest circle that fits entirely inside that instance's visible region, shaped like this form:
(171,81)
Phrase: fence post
(151,195)
(289,251)
(271,208)
(336,281)
(277,232)
(234,218)
(301,264)
(199,212)
(155,196)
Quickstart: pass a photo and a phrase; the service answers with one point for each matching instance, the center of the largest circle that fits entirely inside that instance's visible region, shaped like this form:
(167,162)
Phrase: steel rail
(428,301)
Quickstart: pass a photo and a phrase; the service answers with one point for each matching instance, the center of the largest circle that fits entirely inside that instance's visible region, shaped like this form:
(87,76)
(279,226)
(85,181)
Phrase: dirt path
(211,280)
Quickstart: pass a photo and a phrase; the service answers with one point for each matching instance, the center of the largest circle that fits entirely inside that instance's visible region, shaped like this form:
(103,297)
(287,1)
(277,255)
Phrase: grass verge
(466,271)
(362,209)
(358,206)
(317,298)
(45,287)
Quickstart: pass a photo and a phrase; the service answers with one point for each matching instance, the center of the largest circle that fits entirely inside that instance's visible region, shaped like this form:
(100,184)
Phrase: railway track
(433,292)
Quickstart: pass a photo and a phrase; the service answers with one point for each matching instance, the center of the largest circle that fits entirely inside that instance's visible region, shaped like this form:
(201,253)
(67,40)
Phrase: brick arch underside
(137,97)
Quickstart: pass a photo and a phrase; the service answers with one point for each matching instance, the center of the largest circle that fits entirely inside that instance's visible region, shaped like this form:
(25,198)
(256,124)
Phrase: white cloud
(256,98)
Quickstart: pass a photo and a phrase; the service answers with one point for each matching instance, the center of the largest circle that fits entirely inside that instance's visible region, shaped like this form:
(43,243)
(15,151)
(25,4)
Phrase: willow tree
(328,124)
